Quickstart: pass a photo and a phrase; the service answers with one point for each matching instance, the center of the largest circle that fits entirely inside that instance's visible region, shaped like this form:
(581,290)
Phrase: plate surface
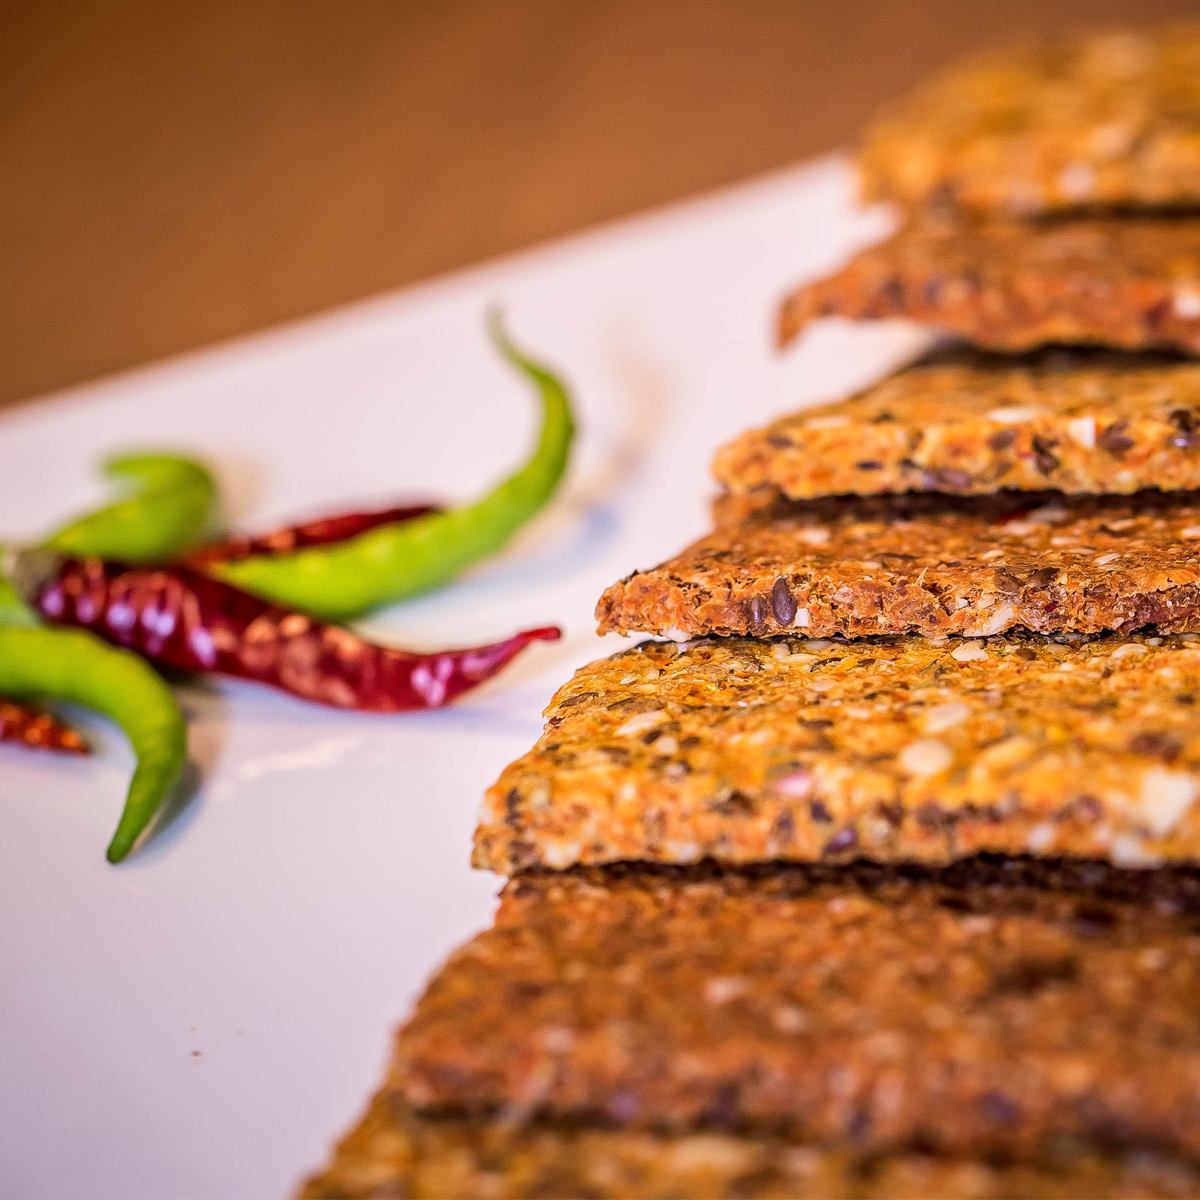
(203,1020)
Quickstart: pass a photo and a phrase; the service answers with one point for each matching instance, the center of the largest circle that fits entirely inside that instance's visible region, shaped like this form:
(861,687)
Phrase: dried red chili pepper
(321,532)
(38,730)
(178,617)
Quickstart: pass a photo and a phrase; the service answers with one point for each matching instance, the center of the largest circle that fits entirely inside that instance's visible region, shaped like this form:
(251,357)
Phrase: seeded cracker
(893,749)
(774,1032)
(927,564)
(967,422)
(1107,120)
(396,1153)
(1128,283)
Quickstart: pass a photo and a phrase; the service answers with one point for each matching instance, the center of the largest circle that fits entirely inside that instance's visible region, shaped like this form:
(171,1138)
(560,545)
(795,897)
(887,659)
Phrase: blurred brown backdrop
(175,173)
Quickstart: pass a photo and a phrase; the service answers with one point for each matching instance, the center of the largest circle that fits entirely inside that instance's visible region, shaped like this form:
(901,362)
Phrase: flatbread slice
(968,423)
(394,1152)
(1132,284)
(905,749)
(929,564)
(1104,120)
(677,1030)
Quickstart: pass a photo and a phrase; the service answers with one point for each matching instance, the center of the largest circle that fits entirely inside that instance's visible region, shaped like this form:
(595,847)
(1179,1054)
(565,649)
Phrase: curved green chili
(173,506)
(69,664)
(343,581)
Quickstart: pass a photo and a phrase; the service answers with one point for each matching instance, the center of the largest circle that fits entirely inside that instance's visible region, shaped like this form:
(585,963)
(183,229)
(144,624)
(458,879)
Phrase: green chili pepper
(173,507)
(70,664)
(343,581)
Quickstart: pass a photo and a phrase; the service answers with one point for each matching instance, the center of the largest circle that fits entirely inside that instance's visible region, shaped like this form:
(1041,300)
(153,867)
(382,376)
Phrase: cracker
(1103,120)
(904,749)
(929,564)
(971,423)
(394,1152)
(993,1009)
(1133,284)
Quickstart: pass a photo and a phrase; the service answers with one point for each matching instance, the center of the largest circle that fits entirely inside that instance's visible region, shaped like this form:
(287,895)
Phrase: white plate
(205,1019)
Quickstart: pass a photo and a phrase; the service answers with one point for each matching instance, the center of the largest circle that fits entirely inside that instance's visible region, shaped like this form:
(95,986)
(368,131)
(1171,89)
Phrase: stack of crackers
(873,873)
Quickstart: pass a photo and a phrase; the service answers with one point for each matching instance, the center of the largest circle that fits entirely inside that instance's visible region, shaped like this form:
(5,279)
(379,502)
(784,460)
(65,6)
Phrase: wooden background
(173,173)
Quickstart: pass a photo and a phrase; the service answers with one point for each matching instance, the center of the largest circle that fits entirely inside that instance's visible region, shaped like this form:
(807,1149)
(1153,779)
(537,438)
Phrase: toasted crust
(927,564)
(1000,1008)
(972,423)
(1126,283)
(393,1153)
(1105,120)
(902,749)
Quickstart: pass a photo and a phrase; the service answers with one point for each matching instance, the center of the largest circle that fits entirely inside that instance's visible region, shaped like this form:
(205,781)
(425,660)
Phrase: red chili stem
(38,730)
(178,617)
(321,532)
